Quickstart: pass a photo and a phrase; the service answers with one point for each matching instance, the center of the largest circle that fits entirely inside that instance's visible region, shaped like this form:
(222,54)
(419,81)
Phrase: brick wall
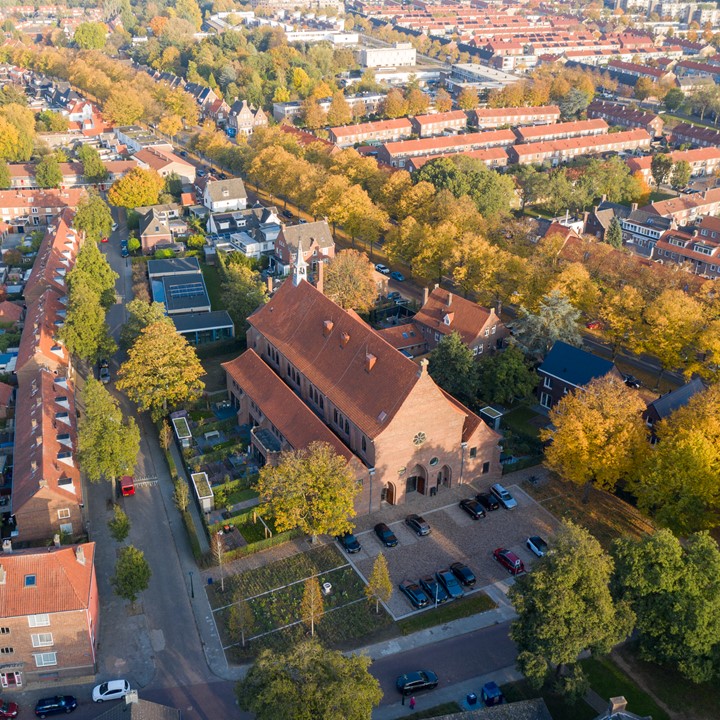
(37,519)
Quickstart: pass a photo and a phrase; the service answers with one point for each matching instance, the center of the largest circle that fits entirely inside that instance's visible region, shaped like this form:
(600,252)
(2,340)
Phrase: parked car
(463,573)
(104,239)
(503,496)
(473,508)
(104,375)
(386,535)
(435,591)
(8,709)
(537,545)
(631,381)
(384,269)
(114,226)
(413,682)
(222,176)
(394,296)
(124,252)
(201,173)
(287,214)
(124,242)
(414,593)
(594,325)
(397,276)
(182,153)
(349,542)
(450,583)
(58,705)
(509,560)
(488,501)
(302,221)
(110,690)
(418,524)
(103,363)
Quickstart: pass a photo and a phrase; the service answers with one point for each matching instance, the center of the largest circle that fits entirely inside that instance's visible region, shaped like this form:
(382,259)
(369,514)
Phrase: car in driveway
(537,545)
(448,580)
(110,690)
(414,682)
(473,508)
(414,593)
(288,214)
(8,709)
(509,560)
(124,252)
(397,276)
(435,591)
(503,496)
(57,705)
(463,573)
(631,381)
(384,269)
(386,535)
(104,239)
(418,524)
(488,501)
(104,375)
(349,542)
(394,296)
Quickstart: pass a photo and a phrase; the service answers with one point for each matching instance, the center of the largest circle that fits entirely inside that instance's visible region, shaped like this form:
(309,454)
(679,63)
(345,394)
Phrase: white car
(503,496)
(537,545)
(384,269)
(110,690)
(114,227)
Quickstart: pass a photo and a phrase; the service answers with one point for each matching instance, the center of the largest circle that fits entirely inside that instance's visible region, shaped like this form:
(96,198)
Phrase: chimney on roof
(269,284)
(370,361)
(80,554)
(617,705)
(449,299)
(320,282)
(426,292)
(131,698)
(327,327)
(344,339)
(424,366)
(633,207)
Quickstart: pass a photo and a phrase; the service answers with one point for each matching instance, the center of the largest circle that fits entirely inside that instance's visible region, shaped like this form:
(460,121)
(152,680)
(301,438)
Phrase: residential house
(567,368)
(494,158)
(314,240)
(597,220)
(624,116)
(22,175)
(397,154)
(136,138)
(203,95)
(362,104)
(371,132)
(684,209)
(225,195)
(132,708)
(160,225)
(703,162)
(642,229)
(559,151)
(561,131)
(50,614)
(486,118)
(667,404)
(165,162)
(245,119)
(218,112)
(258,236)
(697,252)
(401,432)
(223,226)
(11,313)
(437,123)
(25,210)
(636,71)
(685,133)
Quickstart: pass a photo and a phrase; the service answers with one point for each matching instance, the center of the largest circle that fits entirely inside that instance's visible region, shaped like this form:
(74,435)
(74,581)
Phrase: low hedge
(274,541)
(200,558)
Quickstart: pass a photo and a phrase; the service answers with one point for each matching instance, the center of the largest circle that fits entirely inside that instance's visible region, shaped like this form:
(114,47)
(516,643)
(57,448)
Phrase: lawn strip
(470,605)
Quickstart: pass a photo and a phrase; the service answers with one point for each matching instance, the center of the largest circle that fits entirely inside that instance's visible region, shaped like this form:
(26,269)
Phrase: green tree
(679,483)
(680,176)
(573,103)
(5,180)
(598,435)
(241,618)
(53,121)
(90,36)
(133,244)
(394,105)
(505,377)
(94,169)
(132,573)
(453,368)
(312,489)
(85,332)
(107,446)
(123,106)
(339,112)
(379,587)
(93,270)
(349,281)
(309,682)
(556,319)
(48,173)
(312,607)
(162,370)
(190,11)
(93,217)
(136,189)
(674,98)
(140,315)
(565,607)
(242,291)
(661,166)
(181,495)
(119,525)
(673,588)
(613,235)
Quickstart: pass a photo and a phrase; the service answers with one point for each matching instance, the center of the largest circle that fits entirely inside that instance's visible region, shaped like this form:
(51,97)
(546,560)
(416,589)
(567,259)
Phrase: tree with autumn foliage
(597,435)
(138,188)
(468,99)
(443,101)
(339,112)
(349,281)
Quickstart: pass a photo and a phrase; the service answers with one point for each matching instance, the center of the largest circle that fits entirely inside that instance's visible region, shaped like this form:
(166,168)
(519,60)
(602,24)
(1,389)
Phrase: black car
(418,524)
(415,594)
(450,583)
(631,381)
(413,682)
(103,363)
(488,501)
(60,704)
(222,176)
(349,542)
(473,508)
(435,591)
(386,535)
(463,573)
(287,214)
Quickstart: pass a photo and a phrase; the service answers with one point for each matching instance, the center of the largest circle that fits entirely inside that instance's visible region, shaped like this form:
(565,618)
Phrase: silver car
(503,496)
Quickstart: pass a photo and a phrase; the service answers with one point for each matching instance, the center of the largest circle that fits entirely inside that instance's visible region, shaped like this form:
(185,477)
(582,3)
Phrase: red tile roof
(490,137)
(487,155)
(6,394)
(10,312)
(25,199)
(441,117)
(588,142)
(532,132)
(372,127)
(159,158)
(486,113)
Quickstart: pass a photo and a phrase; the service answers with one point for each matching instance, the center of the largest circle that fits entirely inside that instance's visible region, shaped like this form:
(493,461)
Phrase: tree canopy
(93,217)
(505,377)
(349,281)
(132,573)
(90,36)
(136,189)
(140,314)
(243,292)
(453,368)
(85,332)
(92,269)
(94,169)
(48,173)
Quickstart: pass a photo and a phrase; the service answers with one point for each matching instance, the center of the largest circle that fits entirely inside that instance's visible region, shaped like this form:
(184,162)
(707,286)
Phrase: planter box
(203,491)
(182,428)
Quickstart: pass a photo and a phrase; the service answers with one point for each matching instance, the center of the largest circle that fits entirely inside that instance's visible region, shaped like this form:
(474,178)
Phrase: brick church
(313,371)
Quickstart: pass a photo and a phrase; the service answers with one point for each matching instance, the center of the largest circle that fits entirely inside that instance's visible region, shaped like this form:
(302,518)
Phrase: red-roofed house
(703,161)
(11,313)
(561,131)
(50,614)
(407,435)
(165,162)
(437,123)
(22,210)
(492,157)
(699,250)
(381,131)
(497,117)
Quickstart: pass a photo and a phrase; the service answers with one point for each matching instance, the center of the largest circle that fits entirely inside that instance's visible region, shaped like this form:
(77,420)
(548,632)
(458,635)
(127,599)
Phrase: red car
(594,325)
(8,709)
(509,560)
(104,239)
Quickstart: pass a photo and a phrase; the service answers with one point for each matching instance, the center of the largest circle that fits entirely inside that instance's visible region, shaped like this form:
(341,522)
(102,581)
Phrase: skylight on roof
(30,580)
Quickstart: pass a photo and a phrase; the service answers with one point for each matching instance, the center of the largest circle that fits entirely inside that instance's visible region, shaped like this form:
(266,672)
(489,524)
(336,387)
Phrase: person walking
(412,703)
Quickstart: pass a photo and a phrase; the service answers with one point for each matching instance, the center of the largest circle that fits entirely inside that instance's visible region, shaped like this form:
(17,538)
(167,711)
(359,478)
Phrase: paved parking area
(455,536)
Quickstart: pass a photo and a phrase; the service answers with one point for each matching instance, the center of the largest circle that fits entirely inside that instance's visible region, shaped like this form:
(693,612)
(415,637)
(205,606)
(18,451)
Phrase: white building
(225,195)
(399,55)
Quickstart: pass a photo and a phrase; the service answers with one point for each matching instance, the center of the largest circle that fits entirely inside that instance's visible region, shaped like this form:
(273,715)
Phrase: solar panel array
(187,290)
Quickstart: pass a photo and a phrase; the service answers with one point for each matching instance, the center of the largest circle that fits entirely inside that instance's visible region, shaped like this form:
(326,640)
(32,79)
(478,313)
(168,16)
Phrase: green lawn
(520,419)
(558,707)
(212,282)
(471,605)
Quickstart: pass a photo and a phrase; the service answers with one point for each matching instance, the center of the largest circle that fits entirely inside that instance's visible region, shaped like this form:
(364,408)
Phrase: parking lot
(455,537)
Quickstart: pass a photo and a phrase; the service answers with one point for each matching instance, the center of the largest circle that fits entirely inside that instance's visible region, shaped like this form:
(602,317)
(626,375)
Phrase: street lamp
(192,588)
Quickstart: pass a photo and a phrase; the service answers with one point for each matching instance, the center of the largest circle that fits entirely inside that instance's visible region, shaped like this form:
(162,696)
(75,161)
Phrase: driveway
(456,537)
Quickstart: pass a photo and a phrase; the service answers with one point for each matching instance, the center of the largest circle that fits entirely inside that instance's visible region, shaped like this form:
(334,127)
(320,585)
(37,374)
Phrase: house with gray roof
(159,225)
(667,404)
(523,710)
(318,246)
(598,220)
(641,230)
(225,195)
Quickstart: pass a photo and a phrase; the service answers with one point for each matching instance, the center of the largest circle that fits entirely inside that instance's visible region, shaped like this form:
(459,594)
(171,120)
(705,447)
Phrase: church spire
(300,266)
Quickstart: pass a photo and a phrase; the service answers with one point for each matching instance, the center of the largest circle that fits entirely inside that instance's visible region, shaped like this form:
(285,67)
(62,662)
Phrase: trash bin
(433,492)
(210,581)
(471,699)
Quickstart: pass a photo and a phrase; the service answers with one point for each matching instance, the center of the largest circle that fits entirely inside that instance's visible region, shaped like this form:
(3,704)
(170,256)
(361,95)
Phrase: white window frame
(547,382)
(47,659)
(42,620)
(545,400)
(63,514)
(42,640)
